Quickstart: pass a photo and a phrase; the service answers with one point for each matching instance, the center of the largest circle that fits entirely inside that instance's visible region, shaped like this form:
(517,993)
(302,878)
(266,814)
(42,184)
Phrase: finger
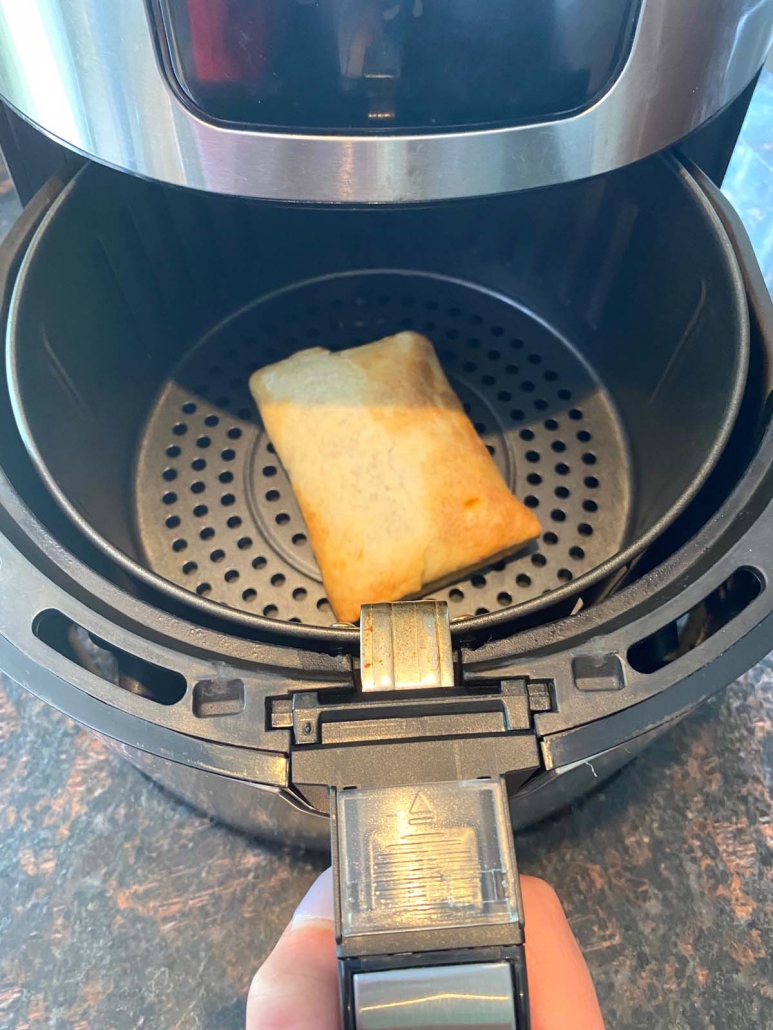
(561,992)
(297,986)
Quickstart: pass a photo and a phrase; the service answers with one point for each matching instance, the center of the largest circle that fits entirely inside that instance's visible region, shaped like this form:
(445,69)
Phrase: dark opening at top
(381,65)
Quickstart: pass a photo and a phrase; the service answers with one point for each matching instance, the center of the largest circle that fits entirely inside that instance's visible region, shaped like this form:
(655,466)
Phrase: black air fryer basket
(156,582)
(596,333)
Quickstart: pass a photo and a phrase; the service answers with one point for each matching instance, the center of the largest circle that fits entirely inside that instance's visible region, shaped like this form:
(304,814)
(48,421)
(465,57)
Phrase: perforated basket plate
(215,511)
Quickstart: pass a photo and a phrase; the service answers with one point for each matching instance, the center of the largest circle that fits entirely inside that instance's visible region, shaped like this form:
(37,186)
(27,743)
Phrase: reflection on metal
(456,997)
(90,76)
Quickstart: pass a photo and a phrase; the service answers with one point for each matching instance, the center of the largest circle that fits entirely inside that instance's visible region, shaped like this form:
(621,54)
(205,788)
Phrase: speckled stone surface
(122,908)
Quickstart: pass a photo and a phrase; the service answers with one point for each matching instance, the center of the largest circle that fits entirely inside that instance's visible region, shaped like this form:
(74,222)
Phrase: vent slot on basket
(110,663)
(697,625)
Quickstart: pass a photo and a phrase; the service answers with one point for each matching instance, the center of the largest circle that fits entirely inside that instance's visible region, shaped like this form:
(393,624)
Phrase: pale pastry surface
(396,487)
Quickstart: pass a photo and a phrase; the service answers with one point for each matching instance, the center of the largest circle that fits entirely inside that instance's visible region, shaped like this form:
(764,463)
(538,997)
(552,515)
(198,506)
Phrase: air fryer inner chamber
(596,332)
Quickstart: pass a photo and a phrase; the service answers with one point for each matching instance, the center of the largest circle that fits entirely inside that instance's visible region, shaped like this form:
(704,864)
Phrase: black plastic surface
(514,755)
(375,65)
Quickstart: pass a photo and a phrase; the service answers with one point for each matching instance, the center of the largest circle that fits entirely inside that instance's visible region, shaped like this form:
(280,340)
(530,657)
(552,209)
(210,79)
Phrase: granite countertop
(122,908)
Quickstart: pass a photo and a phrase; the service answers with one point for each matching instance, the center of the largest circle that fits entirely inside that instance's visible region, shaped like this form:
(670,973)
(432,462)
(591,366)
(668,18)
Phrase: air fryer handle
(428,908)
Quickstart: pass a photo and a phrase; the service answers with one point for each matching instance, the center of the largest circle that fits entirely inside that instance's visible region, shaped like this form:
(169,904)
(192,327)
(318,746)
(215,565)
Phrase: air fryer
(267,176)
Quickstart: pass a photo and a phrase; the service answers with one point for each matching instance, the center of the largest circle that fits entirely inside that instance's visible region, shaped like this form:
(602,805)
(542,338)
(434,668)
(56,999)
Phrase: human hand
(297,986)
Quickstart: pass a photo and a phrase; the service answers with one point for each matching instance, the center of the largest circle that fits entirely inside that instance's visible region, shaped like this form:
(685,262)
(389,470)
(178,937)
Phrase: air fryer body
(397,123)
(366,101)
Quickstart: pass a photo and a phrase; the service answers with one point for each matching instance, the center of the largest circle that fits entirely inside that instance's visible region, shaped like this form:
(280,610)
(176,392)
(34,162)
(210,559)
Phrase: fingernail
(317,906)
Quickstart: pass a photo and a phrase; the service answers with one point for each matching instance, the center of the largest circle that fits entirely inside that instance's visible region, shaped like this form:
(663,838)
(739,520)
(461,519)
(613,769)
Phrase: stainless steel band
(457,997)
(90,76)
(429,919)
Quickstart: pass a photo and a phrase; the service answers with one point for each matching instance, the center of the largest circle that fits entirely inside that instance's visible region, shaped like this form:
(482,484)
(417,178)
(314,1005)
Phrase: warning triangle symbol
(421,811)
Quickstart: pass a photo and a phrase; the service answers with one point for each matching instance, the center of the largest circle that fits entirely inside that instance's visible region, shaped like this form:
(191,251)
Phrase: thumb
(297,986)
